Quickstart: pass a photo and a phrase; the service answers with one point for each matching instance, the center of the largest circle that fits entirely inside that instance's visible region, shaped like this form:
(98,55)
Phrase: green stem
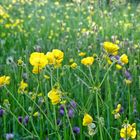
(69,123)
(98,115)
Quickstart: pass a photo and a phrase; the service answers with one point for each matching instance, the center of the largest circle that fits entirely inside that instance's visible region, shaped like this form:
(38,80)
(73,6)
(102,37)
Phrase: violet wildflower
(1,112)
(9,136)
(20,119)
(71,113)
(128,75)
(61,111)
(76,130)
(73,104)
(26,120)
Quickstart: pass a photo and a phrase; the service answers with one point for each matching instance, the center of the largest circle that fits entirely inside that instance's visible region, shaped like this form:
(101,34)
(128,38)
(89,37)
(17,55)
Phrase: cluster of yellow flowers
(128,131)
(4,80)
(112,50)
(40,60)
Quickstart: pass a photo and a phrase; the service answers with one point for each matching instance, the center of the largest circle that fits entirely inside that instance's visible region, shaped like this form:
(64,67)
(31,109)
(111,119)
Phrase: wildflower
(87,61)
(36,70)
(119,67)
(73,65)
(116,112)
(36,114)
(26,120)
(124,59)
(82,54)
(20,62)
(9,136)
(22,87)
(128,131)
(76,130)
(58,55)
(55,96)
(71,113)
(20,119)
(87,119)
(4,80)
(38,60)
(111,48)
(1,112)
(73,104)
(50,57)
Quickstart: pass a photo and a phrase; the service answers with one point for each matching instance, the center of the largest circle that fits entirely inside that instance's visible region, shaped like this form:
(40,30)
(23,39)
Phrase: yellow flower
(73,65)
(55,96)
(20,62)
(38,59)
(59,55)
(116,111)
(82,54)
(127,81)
(128,131)
(22,87)
(36,70)
(119,67)
(4,80)
(87,61)
(36,114)
(124,59)
(87,119)
(50,57)
(111,48)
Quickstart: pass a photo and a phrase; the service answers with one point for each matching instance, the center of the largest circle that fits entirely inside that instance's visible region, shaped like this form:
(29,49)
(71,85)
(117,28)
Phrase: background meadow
(79,29)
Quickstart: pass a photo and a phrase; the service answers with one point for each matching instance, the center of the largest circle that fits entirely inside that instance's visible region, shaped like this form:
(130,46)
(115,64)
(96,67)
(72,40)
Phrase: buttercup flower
(38,60)
(128,131)
(50,57)
(55,96)
(73,65)
(82,54)
(22,87)
(87,61)
(116,112)
(124,59)
(87,119)
(4,80)
(111,48)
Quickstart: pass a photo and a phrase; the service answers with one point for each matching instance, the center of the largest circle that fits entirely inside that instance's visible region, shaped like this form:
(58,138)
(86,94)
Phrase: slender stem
(69,123)
(106,74)
(98,115)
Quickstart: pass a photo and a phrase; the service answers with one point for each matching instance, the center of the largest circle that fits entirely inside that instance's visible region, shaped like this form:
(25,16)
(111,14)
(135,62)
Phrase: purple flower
(73,104)
(20,119)
(71,113)
(9,136)
(61,111)
(76,130)
(128,75)
(117,57)
(26,120)
(1,112)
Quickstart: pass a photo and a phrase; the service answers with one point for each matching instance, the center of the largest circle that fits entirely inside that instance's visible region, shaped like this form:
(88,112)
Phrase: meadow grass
(41,26)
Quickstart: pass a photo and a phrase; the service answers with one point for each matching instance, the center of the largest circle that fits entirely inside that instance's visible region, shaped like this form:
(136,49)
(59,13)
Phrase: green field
(69,70)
